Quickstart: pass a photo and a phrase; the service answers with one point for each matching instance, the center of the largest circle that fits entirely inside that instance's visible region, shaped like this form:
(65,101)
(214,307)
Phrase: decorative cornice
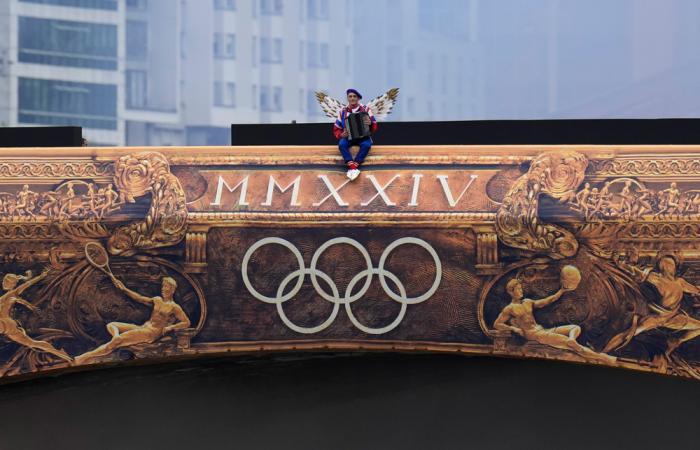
(645,167)
(320,219)
(74,169)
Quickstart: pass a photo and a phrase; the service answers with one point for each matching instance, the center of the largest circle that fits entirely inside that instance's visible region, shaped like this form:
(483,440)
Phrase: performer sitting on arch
(345,141)
(346,120)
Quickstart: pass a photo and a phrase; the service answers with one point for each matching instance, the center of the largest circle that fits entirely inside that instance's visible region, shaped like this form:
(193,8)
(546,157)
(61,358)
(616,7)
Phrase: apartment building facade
(61,63)
(260,61)
(176,72)
(164,72)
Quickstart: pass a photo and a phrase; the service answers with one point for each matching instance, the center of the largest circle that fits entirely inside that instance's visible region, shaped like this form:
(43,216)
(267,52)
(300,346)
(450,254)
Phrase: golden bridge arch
(579,253)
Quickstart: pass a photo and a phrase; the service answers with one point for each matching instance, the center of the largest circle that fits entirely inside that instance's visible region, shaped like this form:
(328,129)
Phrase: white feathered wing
(330,106)
(382,105)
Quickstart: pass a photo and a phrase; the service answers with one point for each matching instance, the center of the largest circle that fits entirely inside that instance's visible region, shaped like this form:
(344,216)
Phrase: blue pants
(344,144)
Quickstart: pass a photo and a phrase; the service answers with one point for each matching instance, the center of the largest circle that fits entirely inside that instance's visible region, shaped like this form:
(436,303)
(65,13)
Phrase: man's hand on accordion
(367,120)
(345,133)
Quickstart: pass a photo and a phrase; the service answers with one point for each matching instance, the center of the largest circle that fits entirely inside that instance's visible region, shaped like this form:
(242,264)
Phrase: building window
(136,40)
(230,94)
(311,54)
(271,50)
(225,94)
(277,99)
(224,45)
(317,55)
(271,99)
(141,5)
(230,45)
(55,102)
(94,4)
(318,9)
(254,52)
(67,43)
(301,100)
(136,89)
(323,60)
(271,7)
(324,9)
(265,103)
(225,4)
(4,62)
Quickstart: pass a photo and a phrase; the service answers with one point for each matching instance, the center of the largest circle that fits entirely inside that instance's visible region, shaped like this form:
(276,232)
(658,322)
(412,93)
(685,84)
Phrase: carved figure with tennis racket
(166,316)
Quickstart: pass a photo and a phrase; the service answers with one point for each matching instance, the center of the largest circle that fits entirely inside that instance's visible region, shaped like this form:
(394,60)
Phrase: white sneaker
(353,173)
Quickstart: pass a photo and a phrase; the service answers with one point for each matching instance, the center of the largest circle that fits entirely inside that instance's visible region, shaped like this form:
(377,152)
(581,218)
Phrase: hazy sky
(452,60)
(529,59)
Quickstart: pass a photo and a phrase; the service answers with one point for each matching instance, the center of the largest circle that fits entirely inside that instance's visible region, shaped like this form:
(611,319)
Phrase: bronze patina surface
(581,253)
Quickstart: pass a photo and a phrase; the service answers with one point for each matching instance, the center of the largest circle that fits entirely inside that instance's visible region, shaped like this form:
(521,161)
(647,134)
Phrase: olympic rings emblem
(334,296)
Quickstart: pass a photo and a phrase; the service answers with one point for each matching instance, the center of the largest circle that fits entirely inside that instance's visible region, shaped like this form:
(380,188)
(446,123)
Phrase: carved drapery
(518,225)
(165,223)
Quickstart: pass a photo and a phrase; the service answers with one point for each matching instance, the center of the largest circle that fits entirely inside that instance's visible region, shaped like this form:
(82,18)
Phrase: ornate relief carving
(196,251)
(465,218)
(73,200)
(165,223)
(487,251)
(62,169)
(646,167)
(10,231)
(518,225)
(569,267)
(656,230)
(621,300)
(627,199)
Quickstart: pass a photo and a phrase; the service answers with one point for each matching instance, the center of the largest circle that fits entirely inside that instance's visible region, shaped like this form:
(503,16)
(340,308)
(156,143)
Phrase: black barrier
(485,132)
(41,136)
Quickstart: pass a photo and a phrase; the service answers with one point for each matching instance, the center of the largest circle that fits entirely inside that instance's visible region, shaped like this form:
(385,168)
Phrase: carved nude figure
(518,317)
(9,328)
(671,203)
(626,200)
(665,314)
(582,198)
(642,203)
(166,316)
(110,202)
(25,201)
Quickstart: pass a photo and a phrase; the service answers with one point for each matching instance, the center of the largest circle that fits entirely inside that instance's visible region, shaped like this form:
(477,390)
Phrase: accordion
(355,124)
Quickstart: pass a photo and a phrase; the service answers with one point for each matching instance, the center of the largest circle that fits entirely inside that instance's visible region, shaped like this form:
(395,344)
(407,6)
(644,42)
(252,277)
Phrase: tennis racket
(98,257)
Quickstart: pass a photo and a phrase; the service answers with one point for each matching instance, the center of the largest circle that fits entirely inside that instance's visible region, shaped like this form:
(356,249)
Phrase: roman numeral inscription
(319,191)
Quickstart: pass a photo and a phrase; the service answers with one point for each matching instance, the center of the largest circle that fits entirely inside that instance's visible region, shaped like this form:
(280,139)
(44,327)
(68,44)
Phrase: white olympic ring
(334,296)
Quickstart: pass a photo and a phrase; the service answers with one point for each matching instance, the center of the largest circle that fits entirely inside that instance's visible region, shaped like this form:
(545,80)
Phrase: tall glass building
(61,64)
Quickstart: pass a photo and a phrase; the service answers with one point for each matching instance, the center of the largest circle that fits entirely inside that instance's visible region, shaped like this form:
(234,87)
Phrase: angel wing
(330,106)
(382,105)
